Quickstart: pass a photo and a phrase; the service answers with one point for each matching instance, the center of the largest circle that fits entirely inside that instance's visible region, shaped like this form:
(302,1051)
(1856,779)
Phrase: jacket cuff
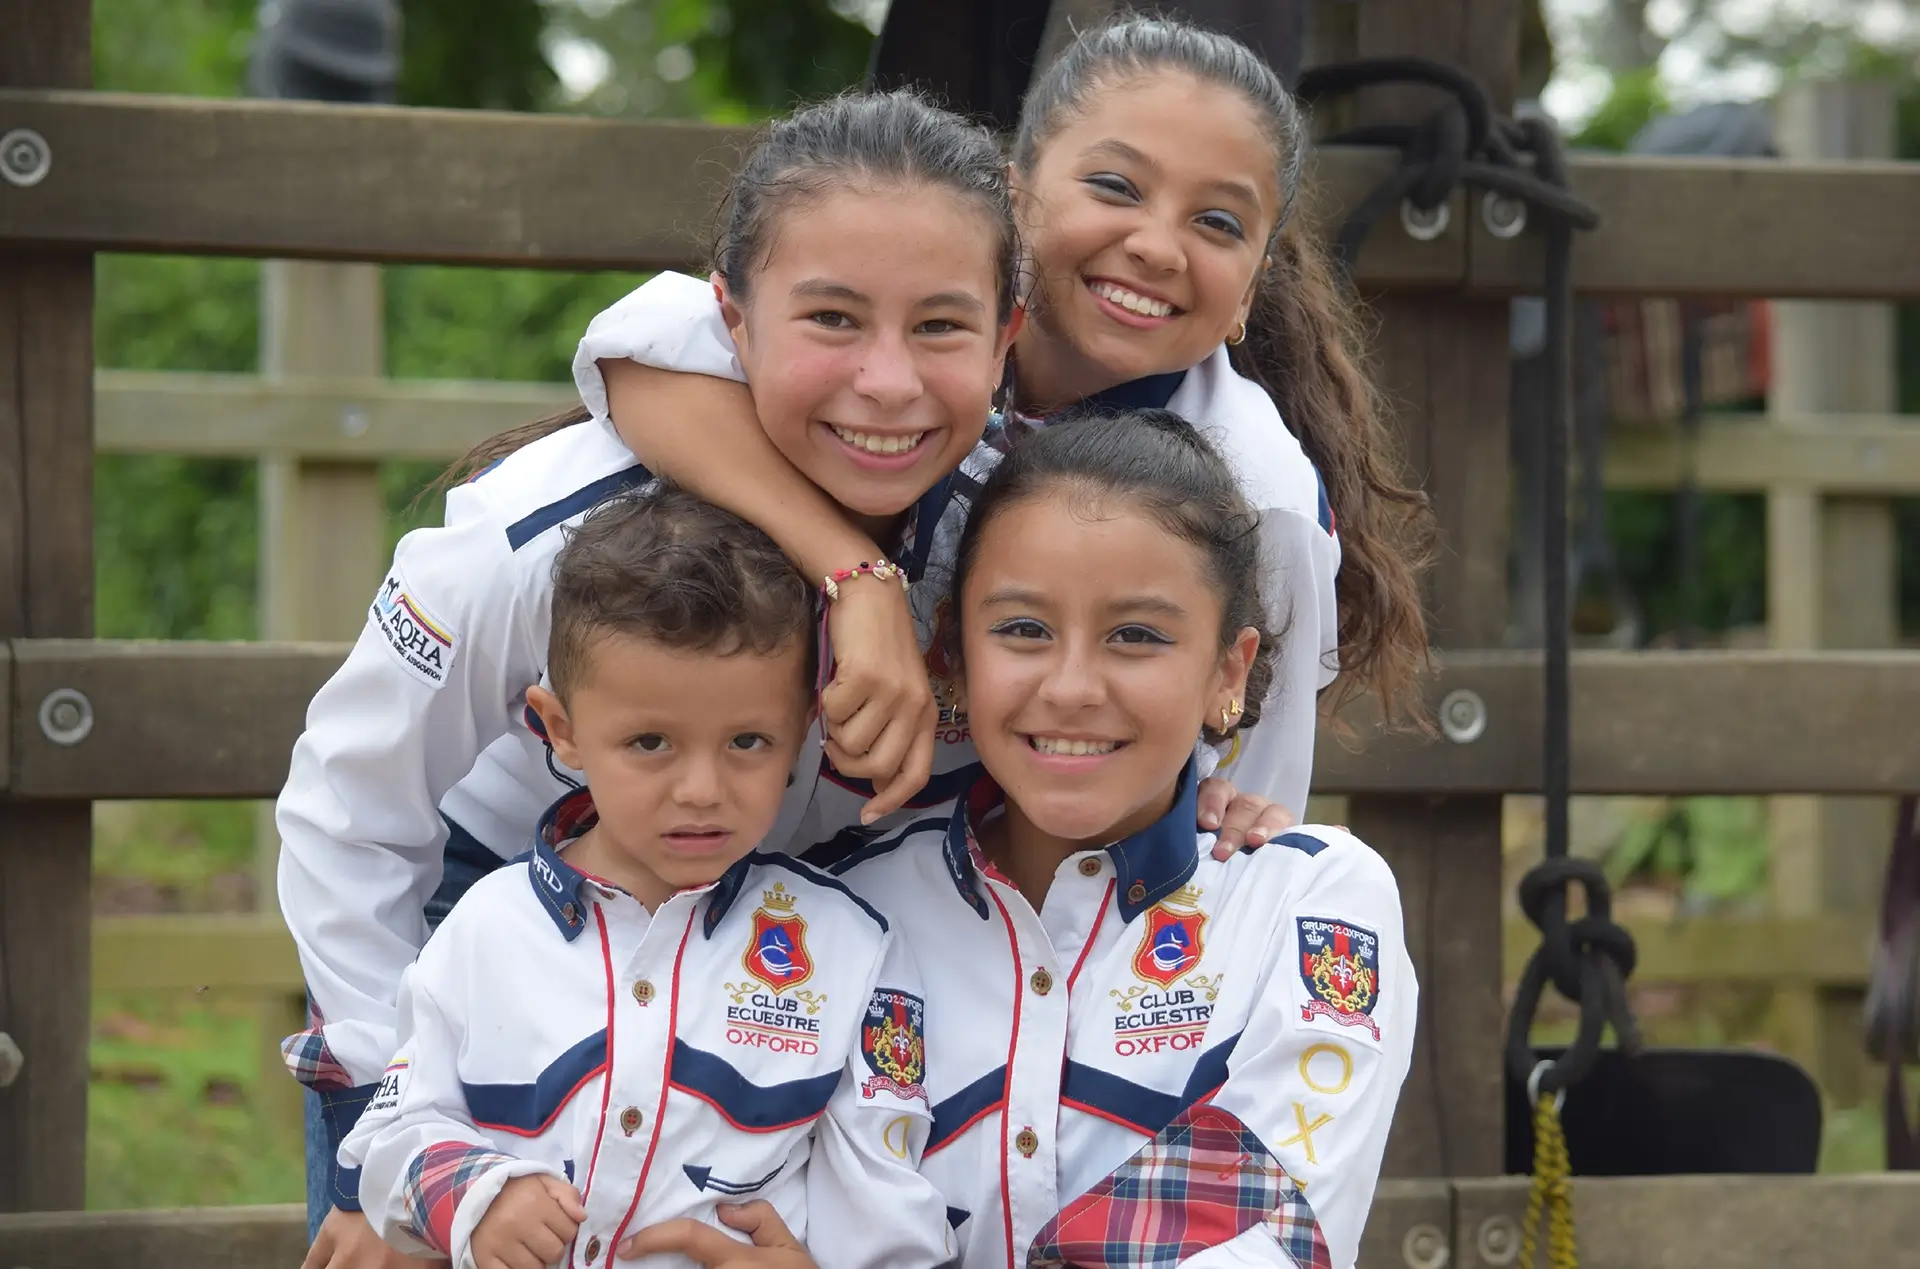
(340,1110)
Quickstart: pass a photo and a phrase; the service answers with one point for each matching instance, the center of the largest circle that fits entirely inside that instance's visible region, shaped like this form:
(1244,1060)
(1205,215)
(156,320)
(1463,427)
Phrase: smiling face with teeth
(871,342)
(1146,217)
(1091,654)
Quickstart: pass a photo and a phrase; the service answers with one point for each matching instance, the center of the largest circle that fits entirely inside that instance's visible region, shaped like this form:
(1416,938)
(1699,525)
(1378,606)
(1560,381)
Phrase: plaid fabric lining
(1205,1179)
(308,1057)
(437,1179)
(982,800)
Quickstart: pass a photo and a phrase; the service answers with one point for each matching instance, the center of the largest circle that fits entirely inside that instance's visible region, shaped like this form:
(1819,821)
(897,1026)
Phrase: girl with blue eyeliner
(1141,1054)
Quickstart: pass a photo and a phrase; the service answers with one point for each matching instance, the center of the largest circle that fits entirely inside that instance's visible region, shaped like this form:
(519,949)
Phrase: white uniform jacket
(1175,1052)
(673,323)
(421,737)
(761,1037)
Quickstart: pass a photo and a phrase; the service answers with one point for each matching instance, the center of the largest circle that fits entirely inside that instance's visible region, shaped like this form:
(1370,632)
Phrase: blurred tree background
(176,545)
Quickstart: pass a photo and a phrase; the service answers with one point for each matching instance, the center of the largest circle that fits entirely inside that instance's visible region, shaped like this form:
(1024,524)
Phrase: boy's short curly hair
(659,564)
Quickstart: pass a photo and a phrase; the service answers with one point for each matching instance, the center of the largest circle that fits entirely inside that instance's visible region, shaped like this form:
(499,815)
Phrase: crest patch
(893,1041)
(777,952)
(1340,965)
(1170,943)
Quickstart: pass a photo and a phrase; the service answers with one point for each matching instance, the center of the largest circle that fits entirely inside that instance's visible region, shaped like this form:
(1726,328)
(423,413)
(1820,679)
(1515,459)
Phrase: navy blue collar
(563,889)
(1150,865)
(557,883)
(1150,393)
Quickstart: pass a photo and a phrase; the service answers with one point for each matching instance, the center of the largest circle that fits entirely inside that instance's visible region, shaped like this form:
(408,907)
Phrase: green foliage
(184,851)
(474,54)
(1635,100)
(1732,540)
(458,323)
(729,61)
(171,46)
(1716,848)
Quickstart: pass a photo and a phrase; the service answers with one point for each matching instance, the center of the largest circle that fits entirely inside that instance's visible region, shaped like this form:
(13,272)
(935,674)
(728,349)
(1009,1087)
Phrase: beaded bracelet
(882,570)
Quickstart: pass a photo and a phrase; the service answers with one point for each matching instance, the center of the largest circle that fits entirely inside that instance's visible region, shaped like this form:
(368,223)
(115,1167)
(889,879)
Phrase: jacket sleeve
(1316,1074)
(449,644)
(867,1204)
(427,1174)
(1274,759)
(672,322)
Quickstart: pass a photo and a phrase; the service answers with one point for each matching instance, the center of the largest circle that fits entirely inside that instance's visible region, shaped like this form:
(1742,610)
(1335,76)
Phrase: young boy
(644,1018)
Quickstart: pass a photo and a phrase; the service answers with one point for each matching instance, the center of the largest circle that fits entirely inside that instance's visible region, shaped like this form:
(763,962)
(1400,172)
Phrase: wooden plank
(235,953)
(1443,361)
(302,179)
(333,420)
(381,183)
(1728,227)
(1822,950)
(1859,455)
(323,544)
(1730,1222)
(273,1237)
(1664,722)
(1704,1222)
(46,589)
(193,720)
(218,720)
(228,953)
(1406,1217)
(282,178)
(372,420)
(1835,583)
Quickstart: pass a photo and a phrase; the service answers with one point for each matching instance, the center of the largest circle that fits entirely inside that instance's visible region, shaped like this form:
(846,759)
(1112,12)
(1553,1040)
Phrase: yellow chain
(1552,1191)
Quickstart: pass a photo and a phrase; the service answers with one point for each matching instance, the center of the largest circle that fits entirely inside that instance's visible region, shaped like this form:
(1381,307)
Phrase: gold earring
(1239,335)
(1228,712)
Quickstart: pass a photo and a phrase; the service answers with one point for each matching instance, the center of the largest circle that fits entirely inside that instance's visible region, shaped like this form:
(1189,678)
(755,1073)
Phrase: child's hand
(347,1240)
(1240,819)
(528,1225)
(773,1246)
(879,712)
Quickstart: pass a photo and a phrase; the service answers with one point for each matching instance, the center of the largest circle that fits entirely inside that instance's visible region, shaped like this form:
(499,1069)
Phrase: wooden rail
(242,416)
(218,720)
(248,953)
(279,178)
(1702,1222)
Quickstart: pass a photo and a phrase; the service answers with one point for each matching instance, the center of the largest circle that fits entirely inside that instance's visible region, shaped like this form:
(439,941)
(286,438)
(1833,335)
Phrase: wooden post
(1831,581)
(322,532)
(1443,361)
(46,590)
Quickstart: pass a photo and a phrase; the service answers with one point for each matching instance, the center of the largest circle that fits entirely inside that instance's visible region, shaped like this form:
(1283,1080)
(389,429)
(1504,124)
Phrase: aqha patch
(424,647)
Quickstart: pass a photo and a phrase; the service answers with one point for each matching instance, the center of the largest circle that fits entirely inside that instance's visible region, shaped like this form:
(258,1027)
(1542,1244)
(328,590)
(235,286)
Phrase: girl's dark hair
(874,140)
(890,140)
(1304,345)
(663,566)
(1154,460)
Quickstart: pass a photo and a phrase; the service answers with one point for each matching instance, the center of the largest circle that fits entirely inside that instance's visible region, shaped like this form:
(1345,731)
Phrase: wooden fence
(85,720)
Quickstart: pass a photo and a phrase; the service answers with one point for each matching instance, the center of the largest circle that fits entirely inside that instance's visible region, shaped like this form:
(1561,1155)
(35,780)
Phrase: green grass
(174,1115)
